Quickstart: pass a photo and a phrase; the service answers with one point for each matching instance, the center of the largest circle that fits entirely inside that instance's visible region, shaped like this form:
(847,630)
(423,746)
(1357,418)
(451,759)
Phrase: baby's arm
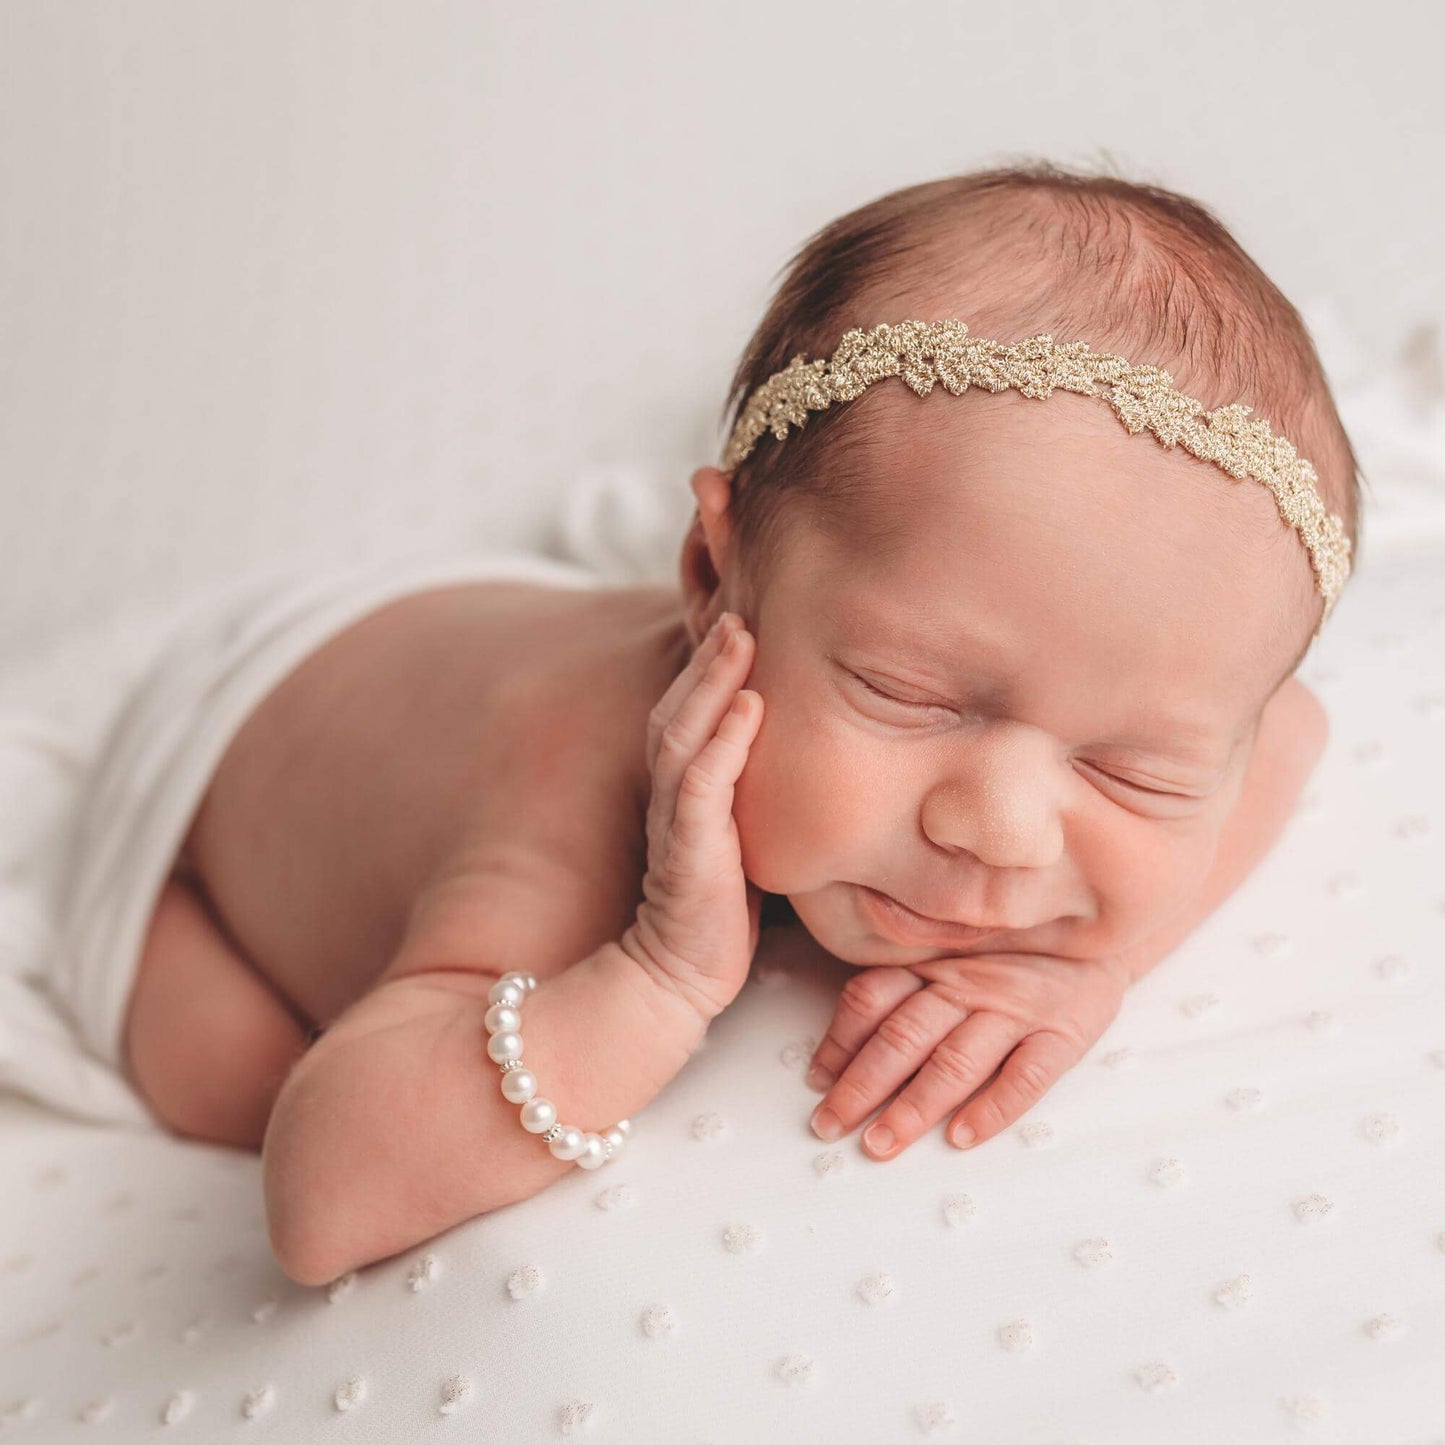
(1293,731)
(393,1127)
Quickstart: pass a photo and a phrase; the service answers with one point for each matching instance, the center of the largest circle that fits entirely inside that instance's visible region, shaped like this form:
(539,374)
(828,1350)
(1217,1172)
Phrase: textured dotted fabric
(1226,1223)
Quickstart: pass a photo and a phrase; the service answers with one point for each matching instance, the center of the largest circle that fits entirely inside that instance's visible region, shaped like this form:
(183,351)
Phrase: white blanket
(134,802)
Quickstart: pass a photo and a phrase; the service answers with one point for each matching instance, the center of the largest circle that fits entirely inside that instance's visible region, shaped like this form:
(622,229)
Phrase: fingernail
(827,1125)
(879,1138)
(963,1136)
(820,1079)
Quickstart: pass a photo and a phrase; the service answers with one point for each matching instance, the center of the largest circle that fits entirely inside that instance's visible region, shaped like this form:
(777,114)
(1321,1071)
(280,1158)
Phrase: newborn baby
(1016,712)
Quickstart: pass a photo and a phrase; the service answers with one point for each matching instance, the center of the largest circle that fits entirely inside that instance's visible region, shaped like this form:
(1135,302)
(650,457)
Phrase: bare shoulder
(547,861)
(451,779)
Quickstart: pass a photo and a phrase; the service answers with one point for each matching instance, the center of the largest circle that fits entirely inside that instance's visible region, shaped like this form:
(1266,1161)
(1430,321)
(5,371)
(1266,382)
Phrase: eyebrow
(1184,738)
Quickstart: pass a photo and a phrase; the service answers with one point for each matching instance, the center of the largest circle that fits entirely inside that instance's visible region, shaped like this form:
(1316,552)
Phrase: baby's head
(1013,657)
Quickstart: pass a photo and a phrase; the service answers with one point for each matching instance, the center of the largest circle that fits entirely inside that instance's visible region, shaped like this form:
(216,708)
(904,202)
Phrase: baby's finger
(684,684)
(1028,1073)
(867,998)
(689,730)
(899,1045)
(962,1060)
(696,726)
(705,794)
(714,672)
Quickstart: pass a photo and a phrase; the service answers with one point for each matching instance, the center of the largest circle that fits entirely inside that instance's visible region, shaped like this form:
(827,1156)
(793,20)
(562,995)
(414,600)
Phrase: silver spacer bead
(512,1064)
(552,1133)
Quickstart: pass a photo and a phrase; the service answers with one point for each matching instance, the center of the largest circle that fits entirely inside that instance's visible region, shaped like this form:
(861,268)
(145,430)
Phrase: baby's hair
(1013,251)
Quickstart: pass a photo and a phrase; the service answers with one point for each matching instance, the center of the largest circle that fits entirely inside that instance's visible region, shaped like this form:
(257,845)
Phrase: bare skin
(334,844)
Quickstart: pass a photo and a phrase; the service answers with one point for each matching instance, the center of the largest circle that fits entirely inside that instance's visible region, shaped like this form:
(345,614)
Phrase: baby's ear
(703,563)
(714,492)
(699,582)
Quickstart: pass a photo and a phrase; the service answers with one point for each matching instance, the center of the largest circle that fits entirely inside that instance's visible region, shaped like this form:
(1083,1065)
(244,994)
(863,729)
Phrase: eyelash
(908,702)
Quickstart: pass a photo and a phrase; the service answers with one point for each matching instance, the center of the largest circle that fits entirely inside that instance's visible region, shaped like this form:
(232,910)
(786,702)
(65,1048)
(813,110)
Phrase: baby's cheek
(1142,874)
(797,806)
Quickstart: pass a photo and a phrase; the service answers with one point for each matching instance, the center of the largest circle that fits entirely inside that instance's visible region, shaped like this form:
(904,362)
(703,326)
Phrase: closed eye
(1113,777)
(888,696)
(1137,787)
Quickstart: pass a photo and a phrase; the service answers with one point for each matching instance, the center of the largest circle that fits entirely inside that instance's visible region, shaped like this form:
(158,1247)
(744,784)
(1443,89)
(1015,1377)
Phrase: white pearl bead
(504,1046)
(502,1016)
(569,1143)
(594,1154)
(538,1115)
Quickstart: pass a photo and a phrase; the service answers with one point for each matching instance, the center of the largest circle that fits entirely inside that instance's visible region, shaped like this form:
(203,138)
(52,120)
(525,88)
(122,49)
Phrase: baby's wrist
(678,1015)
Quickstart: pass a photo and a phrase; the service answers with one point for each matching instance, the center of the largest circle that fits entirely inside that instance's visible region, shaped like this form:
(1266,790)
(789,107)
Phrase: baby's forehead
(1060,489)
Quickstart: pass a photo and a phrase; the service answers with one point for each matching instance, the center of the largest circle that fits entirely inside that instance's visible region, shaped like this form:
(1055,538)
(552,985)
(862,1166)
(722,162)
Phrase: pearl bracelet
(519,1084)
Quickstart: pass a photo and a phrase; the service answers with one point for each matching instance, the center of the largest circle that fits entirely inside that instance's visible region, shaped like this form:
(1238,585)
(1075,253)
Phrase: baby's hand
(696,929)
(943,1028)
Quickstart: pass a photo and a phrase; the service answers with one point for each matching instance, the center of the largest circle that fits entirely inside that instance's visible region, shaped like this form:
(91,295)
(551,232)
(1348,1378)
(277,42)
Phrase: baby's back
(449,736)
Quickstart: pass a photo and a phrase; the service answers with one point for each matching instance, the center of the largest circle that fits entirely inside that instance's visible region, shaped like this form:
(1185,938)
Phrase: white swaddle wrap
(110,819)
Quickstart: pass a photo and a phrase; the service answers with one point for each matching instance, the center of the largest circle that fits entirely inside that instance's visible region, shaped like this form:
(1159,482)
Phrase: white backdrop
(285,281)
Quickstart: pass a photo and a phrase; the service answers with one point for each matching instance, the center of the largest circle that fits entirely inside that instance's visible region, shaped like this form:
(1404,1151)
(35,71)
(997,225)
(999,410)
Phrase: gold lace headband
(1143,398)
